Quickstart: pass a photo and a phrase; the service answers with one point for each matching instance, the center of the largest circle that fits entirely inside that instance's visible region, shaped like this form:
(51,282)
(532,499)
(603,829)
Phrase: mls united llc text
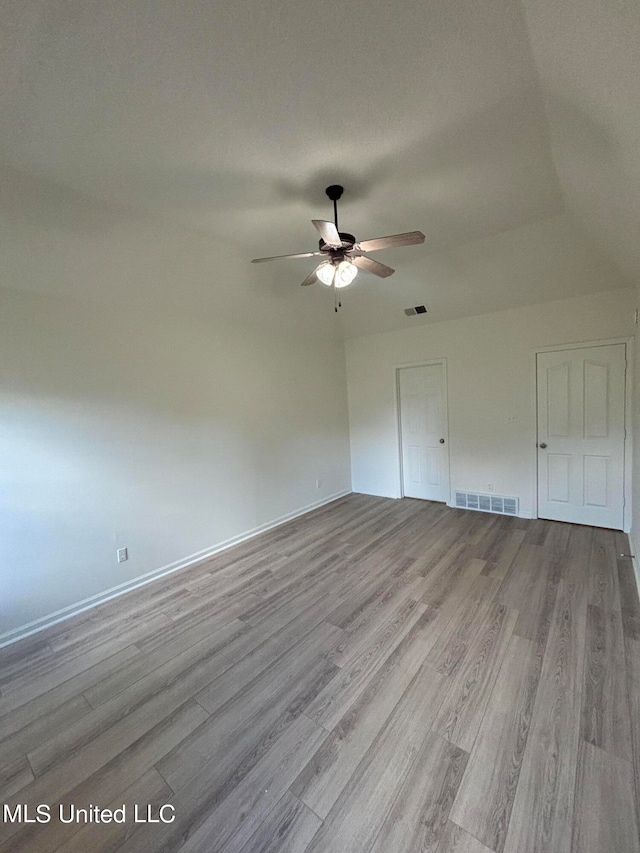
(42,813)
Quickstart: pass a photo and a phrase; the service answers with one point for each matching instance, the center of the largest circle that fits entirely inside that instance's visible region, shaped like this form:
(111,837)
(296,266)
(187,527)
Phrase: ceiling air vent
(487,503)
(419,309)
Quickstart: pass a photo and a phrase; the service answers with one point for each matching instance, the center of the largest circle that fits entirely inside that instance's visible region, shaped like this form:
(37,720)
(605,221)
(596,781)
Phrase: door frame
(397,419)
(628,440)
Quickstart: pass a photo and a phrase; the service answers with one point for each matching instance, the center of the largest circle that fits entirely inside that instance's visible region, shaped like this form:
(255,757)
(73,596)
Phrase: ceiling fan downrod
(335,193)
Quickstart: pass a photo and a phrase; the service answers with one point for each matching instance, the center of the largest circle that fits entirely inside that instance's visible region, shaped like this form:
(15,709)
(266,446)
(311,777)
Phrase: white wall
(181,403)
(634,535)
(490,366)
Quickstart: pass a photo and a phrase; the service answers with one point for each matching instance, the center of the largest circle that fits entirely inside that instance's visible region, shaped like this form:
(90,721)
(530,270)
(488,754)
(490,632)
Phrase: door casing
(628,442)
(396,380)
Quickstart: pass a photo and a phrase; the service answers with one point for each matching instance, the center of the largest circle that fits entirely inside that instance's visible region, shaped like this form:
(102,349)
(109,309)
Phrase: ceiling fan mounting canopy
(334,192)
(337,247)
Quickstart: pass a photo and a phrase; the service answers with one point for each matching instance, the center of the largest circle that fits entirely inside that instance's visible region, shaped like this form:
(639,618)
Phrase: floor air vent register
(487,503)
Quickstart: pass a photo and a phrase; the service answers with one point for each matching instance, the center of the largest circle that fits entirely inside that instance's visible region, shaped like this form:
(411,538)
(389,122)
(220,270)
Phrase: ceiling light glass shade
(325,273)
(345,273)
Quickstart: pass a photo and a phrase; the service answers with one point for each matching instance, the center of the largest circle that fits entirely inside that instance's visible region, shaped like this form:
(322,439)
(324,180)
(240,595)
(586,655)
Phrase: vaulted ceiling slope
(507,131)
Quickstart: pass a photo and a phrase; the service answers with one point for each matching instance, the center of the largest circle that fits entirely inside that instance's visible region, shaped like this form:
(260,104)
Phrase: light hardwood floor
(377,676)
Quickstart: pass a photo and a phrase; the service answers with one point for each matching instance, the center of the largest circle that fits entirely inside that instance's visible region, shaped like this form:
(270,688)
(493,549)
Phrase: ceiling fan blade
(280,257)
(408,239)
(375,267)
(328,232)
(310,279)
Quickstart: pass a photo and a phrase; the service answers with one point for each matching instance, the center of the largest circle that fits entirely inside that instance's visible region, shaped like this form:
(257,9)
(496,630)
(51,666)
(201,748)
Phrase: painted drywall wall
(490,370)
(180,403)
(634,535)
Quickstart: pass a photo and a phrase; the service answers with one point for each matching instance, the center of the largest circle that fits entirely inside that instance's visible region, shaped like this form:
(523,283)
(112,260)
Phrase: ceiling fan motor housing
(348,242)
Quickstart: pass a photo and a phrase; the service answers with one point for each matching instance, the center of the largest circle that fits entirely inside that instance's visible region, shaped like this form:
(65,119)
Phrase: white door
(423,429)
(581,400)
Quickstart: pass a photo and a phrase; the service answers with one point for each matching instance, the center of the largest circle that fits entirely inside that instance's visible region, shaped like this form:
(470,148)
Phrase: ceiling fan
(343,255)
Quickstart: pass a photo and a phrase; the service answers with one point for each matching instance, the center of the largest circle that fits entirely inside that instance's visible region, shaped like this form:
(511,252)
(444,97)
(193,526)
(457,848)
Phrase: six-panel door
(581,414)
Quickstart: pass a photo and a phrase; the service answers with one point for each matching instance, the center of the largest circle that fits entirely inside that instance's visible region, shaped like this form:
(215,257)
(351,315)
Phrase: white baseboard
(635,561)
(30,628)
(636,571)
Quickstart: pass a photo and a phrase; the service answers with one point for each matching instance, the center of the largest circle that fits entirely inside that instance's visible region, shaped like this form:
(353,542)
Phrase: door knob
(442,441)
(543,445)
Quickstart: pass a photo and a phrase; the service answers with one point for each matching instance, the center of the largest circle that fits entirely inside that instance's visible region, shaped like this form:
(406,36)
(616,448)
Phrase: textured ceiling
(507,133)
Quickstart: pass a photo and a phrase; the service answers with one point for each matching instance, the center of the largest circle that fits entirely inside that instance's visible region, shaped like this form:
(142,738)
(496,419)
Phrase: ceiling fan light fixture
(336,247)
(325,273)
(345,273)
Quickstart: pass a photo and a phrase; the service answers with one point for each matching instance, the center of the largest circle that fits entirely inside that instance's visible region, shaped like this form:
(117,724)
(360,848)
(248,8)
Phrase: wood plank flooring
(377,676)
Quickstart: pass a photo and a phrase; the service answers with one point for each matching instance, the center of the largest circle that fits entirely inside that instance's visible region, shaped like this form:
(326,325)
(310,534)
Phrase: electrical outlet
(122,555)
(318,483)
(489,487)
